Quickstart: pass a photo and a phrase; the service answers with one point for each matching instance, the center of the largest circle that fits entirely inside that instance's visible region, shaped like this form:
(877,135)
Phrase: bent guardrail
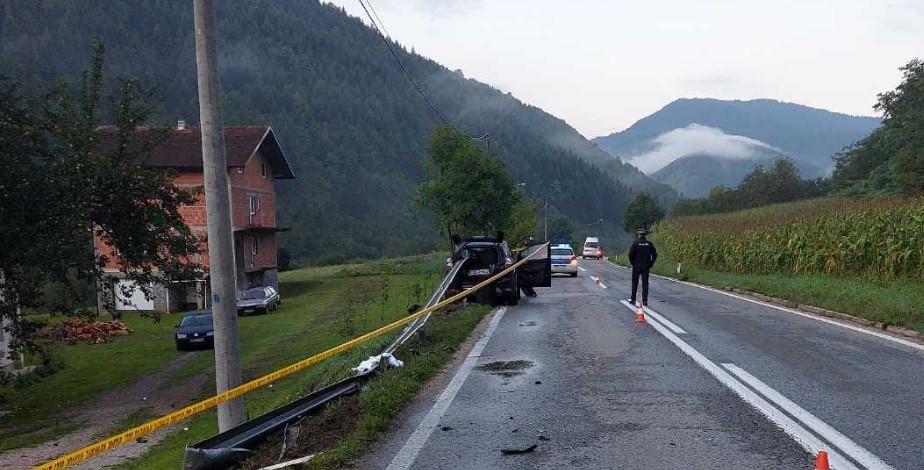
(130,435)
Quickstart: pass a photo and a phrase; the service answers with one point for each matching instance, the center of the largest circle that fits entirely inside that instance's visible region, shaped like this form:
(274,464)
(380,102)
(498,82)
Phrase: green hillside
(353,126)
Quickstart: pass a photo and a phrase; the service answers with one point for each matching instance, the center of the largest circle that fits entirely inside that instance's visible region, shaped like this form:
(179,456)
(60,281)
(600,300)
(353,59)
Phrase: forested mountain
(695,175)
(353,126)
(745,131)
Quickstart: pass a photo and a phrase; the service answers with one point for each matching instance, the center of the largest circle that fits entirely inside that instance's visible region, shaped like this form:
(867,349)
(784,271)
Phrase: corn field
(879,238)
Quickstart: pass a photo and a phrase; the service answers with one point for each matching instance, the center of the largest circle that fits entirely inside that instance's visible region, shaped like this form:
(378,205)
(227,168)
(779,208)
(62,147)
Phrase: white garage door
(135,302)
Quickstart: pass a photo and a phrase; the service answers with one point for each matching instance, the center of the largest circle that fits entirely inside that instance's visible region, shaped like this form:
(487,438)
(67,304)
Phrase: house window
(253,204)
(240,169)
(263,170)
(253,246)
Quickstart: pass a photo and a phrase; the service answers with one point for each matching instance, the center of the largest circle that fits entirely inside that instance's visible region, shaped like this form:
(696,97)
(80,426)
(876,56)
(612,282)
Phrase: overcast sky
(601,65)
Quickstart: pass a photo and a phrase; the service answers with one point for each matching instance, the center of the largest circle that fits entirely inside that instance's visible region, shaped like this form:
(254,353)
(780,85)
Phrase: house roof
(182,148)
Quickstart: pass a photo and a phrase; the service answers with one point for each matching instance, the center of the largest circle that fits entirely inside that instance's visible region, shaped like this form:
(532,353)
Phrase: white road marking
(598,282)
(803,436)
(860,329)
(855,451)
(603,285)
(408,454)
(673,327)
(582,269)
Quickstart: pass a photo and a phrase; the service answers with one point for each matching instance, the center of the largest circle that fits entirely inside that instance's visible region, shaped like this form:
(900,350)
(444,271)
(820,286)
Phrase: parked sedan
(258,300)
(195,330)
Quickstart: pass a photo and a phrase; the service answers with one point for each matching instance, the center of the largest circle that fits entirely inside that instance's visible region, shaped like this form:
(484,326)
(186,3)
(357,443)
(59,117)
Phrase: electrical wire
(407,73)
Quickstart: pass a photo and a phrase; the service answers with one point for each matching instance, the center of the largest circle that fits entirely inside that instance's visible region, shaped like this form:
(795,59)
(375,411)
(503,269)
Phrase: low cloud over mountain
(697,139)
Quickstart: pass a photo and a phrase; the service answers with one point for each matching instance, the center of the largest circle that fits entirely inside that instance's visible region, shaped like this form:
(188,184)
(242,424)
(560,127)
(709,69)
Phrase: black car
(195,330)
(487,256)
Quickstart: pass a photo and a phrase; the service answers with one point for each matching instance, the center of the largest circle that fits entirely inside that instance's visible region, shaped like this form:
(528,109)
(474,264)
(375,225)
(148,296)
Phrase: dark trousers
(638,272)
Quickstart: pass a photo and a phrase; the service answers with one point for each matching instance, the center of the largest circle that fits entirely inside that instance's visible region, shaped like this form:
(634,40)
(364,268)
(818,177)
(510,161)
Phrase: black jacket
(642,254)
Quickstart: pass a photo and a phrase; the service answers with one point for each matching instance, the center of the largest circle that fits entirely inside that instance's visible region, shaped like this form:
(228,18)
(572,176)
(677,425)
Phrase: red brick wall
(249,182)
(266,250)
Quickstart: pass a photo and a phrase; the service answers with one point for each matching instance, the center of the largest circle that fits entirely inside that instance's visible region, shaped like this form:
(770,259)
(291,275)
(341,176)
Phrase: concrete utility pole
(218,214)
(547,220)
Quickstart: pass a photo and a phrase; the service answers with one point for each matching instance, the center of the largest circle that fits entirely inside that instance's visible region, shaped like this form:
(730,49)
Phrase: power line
(407,73)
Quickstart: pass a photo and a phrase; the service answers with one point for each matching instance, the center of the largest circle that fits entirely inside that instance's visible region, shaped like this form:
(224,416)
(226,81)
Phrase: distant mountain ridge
(810,136)
(354,128)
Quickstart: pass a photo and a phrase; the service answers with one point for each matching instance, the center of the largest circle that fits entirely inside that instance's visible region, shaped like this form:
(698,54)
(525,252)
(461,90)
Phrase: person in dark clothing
(642,256)
(527,289)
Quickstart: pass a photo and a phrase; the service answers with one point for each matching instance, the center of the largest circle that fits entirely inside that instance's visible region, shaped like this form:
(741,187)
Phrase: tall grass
(879,238)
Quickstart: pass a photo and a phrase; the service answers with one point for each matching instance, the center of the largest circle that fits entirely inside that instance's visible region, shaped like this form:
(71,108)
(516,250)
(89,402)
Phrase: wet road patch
(506,368)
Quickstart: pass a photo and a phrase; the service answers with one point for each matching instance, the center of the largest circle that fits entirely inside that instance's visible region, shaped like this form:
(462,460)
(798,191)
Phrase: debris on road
(78,329)
(519,451)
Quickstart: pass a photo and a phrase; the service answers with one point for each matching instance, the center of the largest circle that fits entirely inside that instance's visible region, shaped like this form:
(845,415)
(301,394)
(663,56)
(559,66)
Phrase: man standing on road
(527,289)
(642,256)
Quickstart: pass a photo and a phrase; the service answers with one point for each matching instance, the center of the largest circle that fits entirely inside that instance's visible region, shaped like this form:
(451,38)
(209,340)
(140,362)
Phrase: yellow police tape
(125,437)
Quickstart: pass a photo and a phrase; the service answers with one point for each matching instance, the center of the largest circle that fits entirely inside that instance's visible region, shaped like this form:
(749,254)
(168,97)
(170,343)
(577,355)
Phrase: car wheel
(179,347)
(573,274)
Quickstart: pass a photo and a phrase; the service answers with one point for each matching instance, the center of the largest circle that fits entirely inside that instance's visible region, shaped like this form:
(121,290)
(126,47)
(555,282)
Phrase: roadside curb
(811,310)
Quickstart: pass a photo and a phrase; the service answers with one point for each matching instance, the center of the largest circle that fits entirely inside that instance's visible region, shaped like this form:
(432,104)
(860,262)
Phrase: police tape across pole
(130,435)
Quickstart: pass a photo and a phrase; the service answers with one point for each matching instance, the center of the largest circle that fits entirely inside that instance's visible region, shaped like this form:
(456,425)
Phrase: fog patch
(696,139)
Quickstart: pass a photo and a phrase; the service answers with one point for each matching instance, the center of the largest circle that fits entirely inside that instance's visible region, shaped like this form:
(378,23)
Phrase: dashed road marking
(854,450)
(408,454)
(582,269)
(808,440)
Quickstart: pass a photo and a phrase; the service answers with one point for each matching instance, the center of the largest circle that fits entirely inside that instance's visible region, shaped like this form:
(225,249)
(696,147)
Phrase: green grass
(890,302)
(309,321)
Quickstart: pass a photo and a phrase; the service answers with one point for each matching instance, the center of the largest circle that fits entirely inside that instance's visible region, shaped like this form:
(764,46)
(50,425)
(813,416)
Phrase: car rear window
(484,256)
(562,252)
(254,294)
(196,320)
(591,245)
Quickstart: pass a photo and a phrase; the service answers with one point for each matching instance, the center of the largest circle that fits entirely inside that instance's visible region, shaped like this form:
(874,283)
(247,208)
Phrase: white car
(592,248)
(564,260)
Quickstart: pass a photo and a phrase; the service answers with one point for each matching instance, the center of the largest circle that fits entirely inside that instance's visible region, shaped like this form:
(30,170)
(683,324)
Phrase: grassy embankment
(864,258)
(322,308)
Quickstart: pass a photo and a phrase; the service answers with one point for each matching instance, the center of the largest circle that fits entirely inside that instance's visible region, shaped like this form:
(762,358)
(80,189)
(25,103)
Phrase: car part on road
(519,451)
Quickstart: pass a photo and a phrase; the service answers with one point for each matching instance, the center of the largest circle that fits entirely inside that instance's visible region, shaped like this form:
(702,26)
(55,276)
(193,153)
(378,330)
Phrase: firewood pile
(79,330)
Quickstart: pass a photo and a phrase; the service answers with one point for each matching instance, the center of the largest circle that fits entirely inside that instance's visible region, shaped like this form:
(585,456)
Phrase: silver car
(258,300)
(564,260)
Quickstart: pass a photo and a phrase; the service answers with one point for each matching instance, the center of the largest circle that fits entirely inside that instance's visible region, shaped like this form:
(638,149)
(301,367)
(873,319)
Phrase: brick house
(255,160)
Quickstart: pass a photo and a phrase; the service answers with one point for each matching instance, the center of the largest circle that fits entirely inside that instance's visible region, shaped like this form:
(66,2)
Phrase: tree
(560,228)
(523,221)
(891,159)
(471,192)
(643,212)
(67,179)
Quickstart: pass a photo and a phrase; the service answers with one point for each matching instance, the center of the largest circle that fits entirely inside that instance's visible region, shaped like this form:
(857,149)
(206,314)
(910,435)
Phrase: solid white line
(804,437)
(673,327)
(855,451)
(406,456)
(582,269)
(859,329)
(603,285)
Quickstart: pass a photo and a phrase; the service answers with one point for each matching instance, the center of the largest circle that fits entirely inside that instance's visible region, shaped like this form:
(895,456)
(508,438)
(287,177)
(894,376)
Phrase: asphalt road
(709,382)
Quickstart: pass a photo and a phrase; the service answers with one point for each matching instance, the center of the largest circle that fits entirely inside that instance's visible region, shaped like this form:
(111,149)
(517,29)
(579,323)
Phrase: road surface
(712,381)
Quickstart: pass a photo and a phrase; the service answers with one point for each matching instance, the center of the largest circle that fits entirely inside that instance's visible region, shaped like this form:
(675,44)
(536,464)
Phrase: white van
(592,248)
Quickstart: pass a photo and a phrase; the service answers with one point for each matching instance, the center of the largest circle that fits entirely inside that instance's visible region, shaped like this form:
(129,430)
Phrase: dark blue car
(195,331)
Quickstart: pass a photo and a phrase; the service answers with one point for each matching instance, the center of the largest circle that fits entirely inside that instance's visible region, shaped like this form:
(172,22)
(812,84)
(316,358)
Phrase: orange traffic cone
(640,315)
(821,462)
